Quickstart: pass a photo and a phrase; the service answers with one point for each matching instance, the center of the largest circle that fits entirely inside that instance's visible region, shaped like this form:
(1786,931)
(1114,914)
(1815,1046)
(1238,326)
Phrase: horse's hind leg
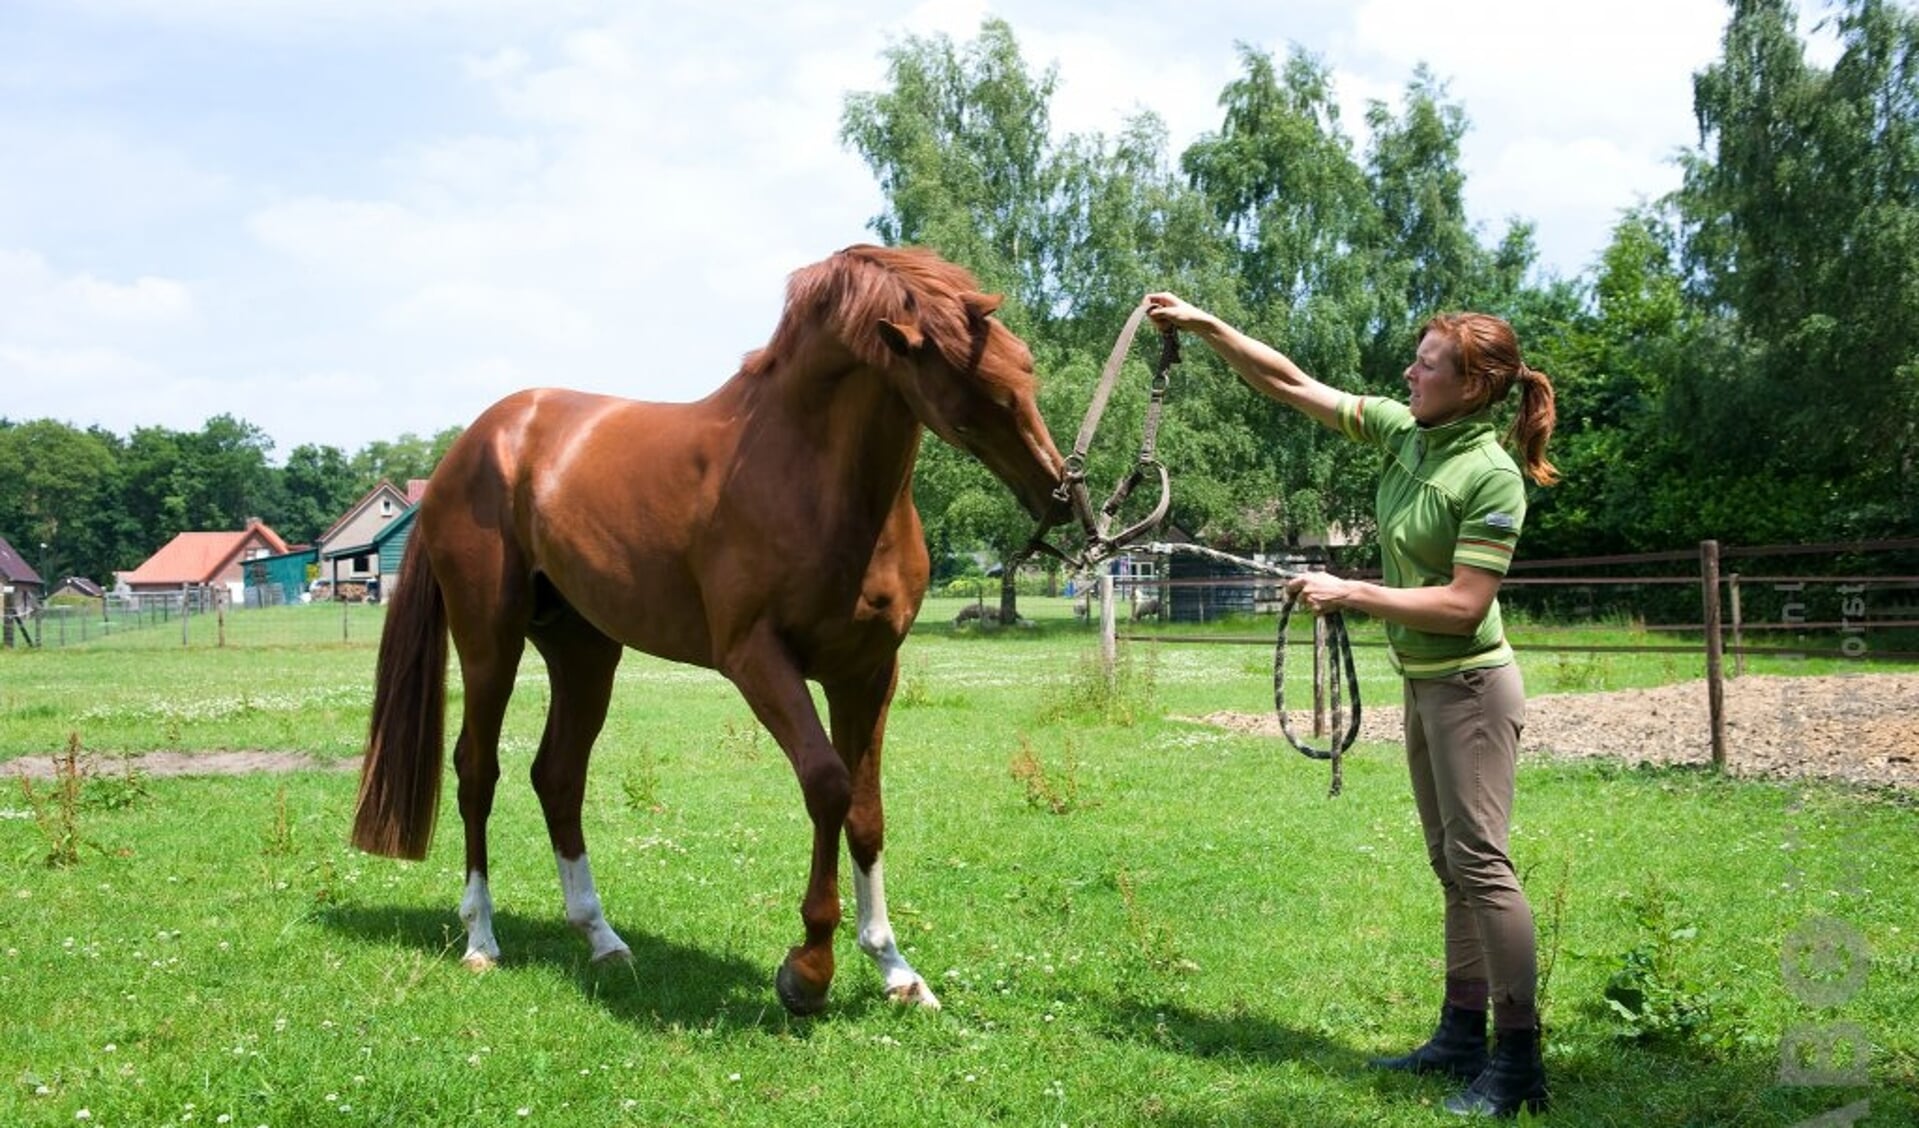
(580,662)
(487,672)
(487,608)
(858,714)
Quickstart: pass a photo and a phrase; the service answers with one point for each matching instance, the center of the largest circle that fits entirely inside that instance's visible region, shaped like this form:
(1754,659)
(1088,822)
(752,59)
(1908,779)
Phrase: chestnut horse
(766,531)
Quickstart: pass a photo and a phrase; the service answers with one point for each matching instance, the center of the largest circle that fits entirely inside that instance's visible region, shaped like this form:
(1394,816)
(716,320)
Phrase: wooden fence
(1860,599)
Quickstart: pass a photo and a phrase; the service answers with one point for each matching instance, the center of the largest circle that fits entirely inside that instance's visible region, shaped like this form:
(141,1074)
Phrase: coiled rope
(1342,675)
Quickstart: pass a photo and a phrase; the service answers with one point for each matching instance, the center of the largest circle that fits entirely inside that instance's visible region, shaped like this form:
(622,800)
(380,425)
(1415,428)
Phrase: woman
(1449,508)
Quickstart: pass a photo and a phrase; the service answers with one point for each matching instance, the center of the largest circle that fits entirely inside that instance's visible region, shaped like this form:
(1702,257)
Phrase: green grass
(1198,937)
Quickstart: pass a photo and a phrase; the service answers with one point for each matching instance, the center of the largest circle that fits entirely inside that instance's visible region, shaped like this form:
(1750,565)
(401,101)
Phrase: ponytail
(1533,426)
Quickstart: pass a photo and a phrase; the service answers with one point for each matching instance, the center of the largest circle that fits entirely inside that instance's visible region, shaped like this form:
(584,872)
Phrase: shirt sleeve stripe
(1483,556)
(1352,418)
(1496,546)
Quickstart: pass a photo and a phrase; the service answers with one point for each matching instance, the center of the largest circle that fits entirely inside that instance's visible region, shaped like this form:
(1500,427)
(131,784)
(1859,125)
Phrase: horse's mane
(849,294)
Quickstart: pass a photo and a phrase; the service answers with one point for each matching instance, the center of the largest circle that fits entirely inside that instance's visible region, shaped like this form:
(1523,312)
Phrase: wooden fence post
(1715,673)
(1108,629)
(1738,624)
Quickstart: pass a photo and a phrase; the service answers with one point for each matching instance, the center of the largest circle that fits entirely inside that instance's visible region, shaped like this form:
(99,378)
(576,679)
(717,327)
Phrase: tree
(1800,226)
(224,474)
(179,481)
(57,489)
(317,484)
(152,492)
(959,143)
(1281,175)
(1612,348)
(1427,258)
(399,461)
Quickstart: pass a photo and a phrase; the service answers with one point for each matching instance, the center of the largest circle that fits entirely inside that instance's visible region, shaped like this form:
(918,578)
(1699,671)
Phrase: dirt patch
(1861,728)
(185,763)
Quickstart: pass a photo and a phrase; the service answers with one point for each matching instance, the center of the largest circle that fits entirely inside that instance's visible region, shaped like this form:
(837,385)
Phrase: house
(364,547)
(78,586)
(18,577)
(20,591)
(196,560)
(281,578)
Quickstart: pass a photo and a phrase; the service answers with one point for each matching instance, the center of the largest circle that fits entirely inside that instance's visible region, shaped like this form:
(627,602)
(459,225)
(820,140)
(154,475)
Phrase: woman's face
(1438,395)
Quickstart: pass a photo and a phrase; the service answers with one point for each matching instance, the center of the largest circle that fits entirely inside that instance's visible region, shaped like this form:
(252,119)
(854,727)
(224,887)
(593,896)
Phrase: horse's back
(604,497)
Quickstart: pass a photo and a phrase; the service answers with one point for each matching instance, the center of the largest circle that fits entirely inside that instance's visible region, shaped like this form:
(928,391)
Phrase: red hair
(1487,351)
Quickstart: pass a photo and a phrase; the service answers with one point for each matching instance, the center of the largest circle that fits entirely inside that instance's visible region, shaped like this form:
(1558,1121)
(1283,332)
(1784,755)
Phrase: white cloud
(610,196)
(71,371)
(37,304)
(88,180)
(145,301)
(56,381)
(384,243)
(1575,110)
(474,308)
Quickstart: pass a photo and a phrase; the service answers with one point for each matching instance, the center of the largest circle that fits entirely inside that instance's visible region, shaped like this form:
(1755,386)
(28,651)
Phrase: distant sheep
(977,613)
(1146,609)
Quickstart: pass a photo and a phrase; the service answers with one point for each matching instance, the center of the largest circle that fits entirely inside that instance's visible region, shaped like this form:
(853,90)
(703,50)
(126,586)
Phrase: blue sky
(349,219)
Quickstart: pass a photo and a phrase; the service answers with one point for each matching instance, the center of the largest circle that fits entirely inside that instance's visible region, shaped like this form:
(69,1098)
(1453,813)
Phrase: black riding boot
(1458,1047)
(1514,1079)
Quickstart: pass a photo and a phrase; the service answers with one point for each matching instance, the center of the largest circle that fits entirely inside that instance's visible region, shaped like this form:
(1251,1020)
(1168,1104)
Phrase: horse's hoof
(614,957)
(914,994)
(795,995)
(479,961)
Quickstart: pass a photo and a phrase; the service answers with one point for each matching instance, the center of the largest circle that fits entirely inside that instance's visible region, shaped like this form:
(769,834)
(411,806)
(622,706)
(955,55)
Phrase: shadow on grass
(665,984)
(1307,1077)
(1597,1079)
(1238,1034)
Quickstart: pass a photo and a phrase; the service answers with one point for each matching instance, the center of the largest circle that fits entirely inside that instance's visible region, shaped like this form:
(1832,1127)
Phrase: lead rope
(1341,648)
(1342,671)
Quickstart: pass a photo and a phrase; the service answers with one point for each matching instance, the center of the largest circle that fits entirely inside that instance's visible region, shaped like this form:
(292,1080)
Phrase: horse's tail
(400,777)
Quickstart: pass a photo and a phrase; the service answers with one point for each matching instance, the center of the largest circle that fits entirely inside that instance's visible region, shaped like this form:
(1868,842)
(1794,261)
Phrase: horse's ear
(983,305)
(902,339)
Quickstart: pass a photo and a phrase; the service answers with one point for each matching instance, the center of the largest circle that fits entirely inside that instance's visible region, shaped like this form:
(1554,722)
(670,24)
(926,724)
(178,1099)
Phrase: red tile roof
(200,558)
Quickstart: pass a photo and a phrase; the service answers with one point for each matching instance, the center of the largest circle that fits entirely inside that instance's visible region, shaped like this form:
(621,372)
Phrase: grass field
(1131,919)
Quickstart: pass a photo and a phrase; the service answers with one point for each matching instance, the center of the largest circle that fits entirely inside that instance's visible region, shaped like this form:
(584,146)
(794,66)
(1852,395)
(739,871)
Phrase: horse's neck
(822,414)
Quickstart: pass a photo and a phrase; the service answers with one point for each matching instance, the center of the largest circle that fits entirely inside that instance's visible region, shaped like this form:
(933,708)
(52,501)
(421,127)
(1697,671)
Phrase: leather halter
(1101,541)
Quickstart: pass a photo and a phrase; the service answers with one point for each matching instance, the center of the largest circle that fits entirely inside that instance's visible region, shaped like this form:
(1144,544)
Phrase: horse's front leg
(858,710)
(771,683)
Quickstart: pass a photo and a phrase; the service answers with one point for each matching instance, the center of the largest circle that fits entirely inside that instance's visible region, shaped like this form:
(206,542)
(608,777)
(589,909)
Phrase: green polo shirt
(1447,495)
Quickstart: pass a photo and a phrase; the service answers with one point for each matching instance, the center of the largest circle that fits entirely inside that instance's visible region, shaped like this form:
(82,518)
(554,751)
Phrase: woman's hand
(1174,312)
(1320,592)
(1264,368)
